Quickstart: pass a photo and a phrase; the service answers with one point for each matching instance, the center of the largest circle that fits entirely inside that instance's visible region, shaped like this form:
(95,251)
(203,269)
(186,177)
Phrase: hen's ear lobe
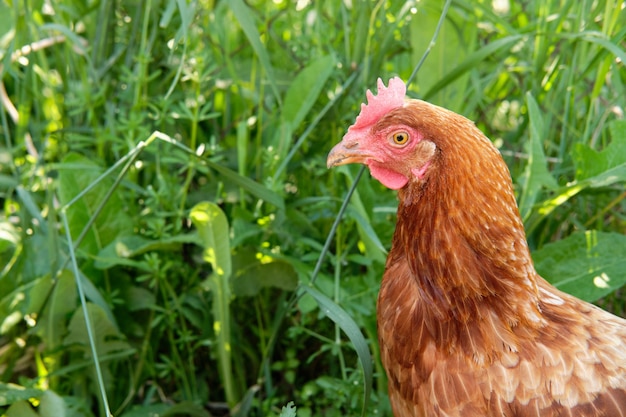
(422,158)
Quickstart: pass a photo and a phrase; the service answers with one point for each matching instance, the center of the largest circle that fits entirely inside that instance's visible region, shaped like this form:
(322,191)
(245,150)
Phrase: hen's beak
(346,153)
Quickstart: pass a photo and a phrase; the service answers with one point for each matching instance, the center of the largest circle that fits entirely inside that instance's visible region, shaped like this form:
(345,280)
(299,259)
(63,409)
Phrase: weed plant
(162,172)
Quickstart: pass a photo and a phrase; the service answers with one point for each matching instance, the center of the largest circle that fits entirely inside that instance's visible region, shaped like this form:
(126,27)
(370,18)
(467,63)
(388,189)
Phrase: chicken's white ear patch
(423,155)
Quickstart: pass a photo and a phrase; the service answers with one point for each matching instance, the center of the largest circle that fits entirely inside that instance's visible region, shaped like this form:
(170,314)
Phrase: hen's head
(402,140)
(391,147)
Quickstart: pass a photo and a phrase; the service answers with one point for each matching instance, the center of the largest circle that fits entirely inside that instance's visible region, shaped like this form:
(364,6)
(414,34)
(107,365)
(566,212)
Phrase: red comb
(387,98)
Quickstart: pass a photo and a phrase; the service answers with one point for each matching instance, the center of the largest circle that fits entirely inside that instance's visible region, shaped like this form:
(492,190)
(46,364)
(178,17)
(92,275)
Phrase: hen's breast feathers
(466,326)
(572,363)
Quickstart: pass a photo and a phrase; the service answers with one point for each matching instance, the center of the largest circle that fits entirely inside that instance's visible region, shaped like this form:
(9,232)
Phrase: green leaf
(251,275)
(536,175)
(12,393)
(599,39)
(21,408)
(588,265)
(127,247)
(52,405)
(76,173)
(185,408)
(358,211)
(289,410)
(593,170)
(244,15)
(52,326)
(590,163)
(139,298)
(9,236)
(367,233)
(456,39)
(212,226)
(249,185)
(471,62)
(107,338)
(351,329)
(8,20)
(613,175)
(10,247)
(153,410)
(305,89)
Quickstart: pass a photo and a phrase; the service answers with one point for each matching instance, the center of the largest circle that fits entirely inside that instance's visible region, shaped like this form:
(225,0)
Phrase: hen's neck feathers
(459,227)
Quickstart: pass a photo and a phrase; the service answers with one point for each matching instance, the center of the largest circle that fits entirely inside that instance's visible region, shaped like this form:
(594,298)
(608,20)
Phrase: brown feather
(466,326)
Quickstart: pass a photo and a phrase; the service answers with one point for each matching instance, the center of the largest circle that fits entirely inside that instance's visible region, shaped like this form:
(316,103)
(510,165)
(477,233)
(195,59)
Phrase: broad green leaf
(349,326)
(143,410)
(124,248)
(75,173)
(139,298)
(536,175)
(108,339)
(256,276)
(8,182)
(289,410)
(52,325)
(21,408)
(305,89)
(184,408)
(52,405)
(588,265)
(212,226)
(590,163)
(12,393)
(613,175)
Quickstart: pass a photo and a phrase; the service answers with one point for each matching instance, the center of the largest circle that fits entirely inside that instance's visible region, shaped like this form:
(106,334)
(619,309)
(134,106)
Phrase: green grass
(177,152)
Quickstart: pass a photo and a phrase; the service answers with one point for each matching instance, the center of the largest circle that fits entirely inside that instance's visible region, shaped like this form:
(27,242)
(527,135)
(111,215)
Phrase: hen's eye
(400,138)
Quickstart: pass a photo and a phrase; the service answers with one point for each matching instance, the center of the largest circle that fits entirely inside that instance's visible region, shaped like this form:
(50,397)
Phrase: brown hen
(466,325)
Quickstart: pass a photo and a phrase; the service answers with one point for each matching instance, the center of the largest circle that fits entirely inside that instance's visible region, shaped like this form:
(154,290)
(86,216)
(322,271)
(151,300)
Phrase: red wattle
(388,178)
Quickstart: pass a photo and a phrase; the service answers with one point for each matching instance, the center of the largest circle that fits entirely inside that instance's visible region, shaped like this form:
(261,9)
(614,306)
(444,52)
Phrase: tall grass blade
(244,16)
(472,61)
(83,302)
(536,175)
(352,330)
